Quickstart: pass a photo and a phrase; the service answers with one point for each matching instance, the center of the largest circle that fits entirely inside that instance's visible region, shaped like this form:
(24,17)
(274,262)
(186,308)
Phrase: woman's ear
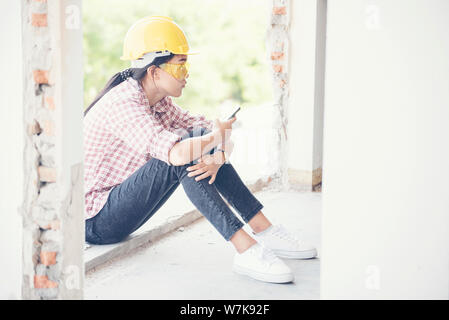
(153,72)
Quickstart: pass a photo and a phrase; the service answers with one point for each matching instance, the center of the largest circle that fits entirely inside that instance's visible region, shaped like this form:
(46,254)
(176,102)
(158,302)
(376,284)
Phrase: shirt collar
(160,106)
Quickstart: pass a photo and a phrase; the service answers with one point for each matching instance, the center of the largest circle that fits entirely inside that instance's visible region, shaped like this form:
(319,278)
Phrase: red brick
(42,282)
(280,10)
(49,128)
(54,225)
(277,55)
(47,174)
(39,19)
(282,83)
(277,68)
(48,258)
(40,76)
(50,103)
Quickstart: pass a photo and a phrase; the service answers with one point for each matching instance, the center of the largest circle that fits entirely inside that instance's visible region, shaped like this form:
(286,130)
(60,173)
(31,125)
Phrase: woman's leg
(232,188)
(135,200)
(132,203)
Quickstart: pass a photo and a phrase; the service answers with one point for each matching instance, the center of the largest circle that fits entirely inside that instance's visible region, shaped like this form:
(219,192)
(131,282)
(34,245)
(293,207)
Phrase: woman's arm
(187,150)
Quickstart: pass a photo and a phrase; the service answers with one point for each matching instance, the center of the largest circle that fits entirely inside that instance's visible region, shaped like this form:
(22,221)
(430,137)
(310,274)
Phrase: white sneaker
(284,244)
(262,264)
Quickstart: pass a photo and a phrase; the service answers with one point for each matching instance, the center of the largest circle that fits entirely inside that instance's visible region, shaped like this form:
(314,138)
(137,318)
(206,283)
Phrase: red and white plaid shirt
(122,132)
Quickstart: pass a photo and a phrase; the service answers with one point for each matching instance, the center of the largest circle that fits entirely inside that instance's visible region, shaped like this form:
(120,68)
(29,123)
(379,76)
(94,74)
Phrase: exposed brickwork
(55,225)
(48,128)
(282,83)
(278,40)
(277,68)
(48,258)
(39,19)
(279,10)
(42,281)
(40,212)
(50,103)
(53,205)
(47,174)
(277,55)
(40,76)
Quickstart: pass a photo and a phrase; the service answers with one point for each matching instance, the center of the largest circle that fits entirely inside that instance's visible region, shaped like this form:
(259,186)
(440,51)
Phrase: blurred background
(220,75)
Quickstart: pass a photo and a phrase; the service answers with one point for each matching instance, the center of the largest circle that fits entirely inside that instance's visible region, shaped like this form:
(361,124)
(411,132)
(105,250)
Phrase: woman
(139,146)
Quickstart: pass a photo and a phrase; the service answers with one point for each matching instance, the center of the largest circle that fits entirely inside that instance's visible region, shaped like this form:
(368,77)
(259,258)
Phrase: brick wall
(277,42)
(44,210)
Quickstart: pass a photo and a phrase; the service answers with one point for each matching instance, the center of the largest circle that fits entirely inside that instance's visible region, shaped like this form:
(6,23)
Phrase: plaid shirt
(122,132)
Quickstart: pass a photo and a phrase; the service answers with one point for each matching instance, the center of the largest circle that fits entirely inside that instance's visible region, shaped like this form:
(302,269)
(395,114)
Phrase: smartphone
(233,114)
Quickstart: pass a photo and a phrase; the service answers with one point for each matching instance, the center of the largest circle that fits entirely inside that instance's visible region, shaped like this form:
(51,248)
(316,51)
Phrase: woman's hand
(208,165)
(225,128)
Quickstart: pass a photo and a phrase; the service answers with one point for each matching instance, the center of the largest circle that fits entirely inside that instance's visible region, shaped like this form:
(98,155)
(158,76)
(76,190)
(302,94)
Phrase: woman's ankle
(259,223)
(242,241)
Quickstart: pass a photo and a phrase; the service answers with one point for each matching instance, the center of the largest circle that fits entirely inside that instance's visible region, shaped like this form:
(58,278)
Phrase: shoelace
(267,256)
(282,233)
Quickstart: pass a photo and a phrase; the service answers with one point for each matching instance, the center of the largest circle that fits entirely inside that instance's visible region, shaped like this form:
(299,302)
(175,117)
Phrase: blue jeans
(135,200)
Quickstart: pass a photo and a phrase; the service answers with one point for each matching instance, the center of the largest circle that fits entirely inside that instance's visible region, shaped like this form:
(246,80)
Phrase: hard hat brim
(191,52)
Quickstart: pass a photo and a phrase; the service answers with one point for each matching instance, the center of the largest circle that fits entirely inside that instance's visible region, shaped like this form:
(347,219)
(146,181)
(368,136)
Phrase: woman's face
(172,86)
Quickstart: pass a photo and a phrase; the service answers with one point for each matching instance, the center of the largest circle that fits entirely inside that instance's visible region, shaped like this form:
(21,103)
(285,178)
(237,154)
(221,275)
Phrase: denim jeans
(134,201)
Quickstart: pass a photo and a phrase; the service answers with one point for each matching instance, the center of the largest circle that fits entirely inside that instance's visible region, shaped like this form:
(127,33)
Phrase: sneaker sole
(279,278)
(309,254)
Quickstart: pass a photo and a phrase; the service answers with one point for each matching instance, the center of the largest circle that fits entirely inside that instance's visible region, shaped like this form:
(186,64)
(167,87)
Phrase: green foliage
(230,35)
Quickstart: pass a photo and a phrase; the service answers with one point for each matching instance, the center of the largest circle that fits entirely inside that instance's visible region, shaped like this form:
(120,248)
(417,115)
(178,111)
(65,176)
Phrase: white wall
(385,184)
(302,84)
(306,85)
(72,146)
(11,144)
(320,44)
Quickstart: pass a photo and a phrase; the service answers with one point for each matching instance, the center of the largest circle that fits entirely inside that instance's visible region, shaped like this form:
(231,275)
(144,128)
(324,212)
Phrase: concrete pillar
(385,224)
(69,95)
(53,206)
(306,94)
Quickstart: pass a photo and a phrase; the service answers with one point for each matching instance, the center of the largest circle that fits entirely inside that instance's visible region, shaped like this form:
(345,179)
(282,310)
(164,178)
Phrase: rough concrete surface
(195,262)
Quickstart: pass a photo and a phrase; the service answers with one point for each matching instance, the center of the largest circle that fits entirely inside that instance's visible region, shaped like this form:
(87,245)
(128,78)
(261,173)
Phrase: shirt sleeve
(142,132)
(186,120)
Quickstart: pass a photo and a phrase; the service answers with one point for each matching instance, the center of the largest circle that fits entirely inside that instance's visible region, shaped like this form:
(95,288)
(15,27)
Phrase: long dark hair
(119,77)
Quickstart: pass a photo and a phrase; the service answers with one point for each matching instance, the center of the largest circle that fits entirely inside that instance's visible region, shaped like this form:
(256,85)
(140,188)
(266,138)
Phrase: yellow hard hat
(151,37)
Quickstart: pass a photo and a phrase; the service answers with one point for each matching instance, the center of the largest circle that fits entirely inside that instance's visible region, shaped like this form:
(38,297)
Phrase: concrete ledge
(178,211)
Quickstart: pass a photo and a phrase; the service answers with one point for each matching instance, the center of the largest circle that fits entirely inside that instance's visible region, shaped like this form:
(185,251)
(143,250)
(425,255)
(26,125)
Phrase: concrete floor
(195,262)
